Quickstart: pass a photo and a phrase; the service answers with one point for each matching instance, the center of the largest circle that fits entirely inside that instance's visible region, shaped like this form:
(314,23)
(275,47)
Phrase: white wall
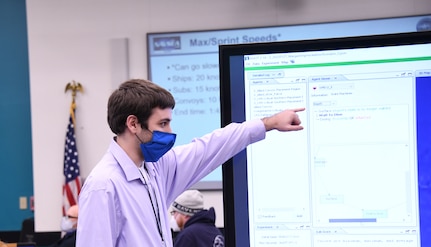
(72,40)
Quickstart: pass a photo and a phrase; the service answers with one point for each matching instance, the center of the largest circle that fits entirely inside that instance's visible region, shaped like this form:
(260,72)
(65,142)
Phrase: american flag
(72,185)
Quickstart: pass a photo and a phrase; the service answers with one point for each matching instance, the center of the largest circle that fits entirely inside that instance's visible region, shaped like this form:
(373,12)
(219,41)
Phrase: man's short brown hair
(136,97)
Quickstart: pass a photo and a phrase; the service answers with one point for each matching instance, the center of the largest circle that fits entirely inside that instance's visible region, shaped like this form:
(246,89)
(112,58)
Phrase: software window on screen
(359,130)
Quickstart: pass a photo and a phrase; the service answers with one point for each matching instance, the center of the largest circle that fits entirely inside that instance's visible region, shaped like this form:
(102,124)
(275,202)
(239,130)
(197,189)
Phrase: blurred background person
(68,225)
(196,224)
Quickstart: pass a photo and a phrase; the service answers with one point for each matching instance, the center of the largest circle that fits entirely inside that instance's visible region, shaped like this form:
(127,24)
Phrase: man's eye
(163,124)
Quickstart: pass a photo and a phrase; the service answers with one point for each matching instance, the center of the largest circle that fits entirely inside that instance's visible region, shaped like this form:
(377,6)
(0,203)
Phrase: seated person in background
(68,225)
(196,224)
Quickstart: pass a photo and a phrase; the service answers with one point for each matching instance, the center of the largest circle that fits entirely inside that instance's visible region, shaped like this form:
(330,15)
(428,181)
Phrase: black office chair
(27,230)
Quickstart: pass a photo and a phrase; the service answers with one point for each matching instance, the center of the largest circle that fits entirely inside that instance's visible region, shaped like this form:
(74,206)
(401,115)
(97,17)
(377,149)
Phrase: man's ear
(132,123)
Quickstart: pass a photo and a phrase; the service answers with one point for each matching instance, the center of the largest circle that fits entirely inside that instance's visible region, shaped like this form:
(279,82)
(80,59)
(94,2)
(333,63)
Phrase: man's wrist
(267,124)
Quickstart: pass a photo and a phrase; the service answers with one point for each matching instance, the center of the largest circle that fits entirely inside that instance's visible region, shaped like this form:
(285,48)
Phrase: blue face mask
(160,143)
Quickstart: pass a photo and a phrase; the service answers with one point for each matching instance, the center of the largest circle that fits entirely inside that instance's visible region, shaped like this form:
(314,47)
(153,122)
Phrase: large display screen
(359,174)
(186,63)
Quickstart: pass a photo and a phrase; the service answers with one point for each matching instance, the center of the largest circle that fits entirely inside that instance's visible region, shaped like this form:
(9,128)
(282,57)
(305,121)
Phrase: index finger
(298,109)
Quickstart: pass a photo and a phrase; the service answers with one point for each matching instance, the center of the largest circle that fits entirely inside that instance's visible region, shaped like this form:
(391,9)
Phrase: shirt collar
(127,165)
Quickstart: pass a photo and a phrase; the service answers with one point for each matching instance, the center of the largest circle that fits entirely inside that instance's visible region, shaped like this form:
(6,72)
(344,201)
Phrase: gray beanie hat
(189,202)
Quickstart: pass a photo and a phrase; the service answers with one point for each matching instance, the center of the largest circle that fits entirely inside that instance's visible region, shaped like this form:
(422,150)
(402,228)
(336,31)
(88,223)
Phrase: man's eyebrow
(165,120)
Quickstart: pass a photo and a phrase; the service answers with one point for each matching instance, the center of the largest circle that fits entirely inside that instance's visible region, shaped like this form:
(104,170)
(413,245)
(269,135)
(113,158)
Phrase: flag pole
(74,87)
(72,185)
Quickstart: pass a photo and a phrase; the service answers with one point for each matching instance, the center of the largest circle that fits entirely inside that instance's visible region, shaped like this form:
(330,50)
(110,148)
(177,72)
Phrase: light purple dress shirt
(114,204)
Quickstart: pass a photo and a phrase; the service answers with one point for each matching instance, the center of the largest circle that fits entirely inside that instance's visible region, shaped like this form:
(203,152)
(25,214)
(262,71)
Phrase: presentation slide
(186,63)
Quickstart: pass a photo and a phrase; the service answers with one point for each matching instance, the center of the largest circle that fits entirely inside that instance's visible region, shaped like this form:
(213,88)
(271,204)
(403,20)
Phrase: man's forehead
(73,211)
(160,114)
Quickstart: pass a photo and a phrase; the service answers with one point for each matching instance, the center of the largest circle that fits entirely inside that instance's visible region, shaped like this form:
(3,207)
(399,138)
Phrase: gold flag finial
(74,86)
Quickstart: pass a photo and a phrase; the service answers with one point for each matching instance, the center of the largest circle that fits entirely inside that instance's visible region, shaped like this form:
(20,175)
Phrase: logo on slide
(167,43)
